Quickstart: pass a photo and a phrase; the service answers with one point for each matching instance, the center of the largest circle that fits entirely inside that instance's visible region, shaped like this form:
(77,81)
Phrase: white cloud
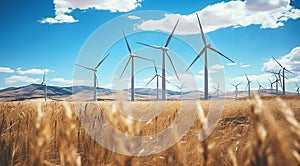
(291,61)
(32,71)
(6,70)
(62,81)
(293,80)
(245,66)
(231,64)
(134,17)
(266,13)
(24,79)
(63,8)
(261,78)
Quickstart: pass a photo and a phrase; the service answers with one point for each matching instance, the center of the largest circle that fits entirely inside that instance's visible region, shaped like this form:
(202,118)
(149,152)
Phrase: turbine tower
(248,85)
(131,57)
(297,90)
(164,50)
(283,77)
(95,75)
(44,84)
(236,89)
(204,50)
(157,82)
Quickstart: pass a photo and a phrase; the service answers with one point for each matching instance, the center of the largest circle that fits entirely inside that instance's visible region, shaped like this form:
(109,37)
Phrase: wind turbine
(283,79)
(271,84)
(260,87)
(236,89)
(218,91)
(204,50)
(157,82)
(180,87)
(95,75)
(164,50)
(44,84)
(278,79)
(248,85)
(131,57)
(297,90)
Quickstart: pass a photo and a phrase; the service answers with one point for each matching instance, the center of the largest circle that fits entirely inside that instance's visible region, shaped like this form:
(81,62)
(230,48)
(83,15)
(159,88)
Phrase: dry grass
(260,131)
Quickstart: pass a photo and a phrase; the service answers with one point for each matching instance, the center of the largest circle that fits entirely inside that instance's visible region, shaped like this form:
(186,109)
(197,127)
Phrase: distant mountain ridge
(35,91)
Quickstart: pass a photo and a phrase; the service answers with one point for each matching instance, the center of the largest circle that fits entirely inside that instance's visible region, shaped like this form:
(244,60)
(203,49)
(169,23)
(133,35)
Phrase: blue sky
(37,35)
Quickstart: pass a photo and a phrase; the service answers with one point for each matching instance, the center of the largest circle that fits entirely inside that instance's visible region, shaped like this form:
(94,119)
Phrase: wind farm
(131,83)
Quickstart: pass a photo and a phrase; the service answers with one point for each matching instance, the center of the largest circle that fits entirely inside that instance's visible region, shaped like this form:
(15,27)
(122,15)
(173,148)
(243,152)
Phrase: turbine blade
(198,56)
(88,68)
(170,37)
(128,46)
(135,56)
(278,62)
(247,77)
(221,54)
(239,84)
(102,61)
(150,80)
(201,29)
(148,45)
(125,67)
(172,64)
(289,71)
(155,66)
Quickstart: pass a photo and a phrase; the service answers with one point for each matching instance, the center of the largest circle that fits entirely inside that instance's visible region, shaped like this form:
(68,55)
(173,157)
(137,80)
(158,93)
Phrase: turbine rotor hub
(165,48)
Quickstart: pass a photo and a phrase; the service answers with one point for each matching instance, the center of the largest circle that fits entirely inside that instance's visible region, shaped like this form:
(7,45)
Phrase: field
(257,131)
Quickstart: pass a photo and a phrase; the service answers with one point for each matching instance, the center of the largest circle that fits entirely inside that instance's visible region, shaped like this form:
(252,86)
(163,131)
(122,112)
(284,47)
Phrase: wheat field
(256,131)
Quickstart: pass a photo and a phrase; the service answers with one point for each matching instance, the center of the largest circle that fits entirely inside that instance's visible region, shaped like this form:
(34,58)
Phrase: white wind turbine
(271,85)
(95,75)
(248,85)
(44,84)
(218,91)
(260,87)
(157,81)
(236,89)
(283,77)
(204,50)
(131,57)
(165,52)
(180,87)
(278,79)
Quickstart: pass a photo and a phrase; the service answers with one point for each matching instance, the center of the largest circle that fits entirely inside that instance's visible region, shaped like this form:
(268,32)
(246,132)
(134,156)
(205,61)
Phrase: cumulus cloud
(32,71)
(6,70)
(291,61)
(266,13)
(261,78)
(63,8)
(23,79)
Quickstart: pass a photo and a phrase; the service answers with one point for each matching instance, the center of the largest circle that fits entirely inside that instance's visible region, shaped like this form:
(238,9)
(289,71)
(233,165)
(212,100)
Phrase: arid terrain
(257,131)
